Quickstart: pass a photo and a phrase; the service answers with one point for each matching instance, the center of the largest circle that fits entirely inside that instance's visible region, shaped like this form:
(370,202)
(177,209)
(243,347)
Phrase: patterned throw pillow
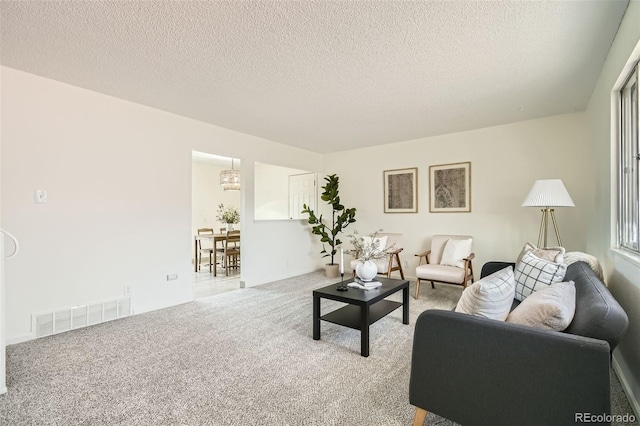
(491,297)
(532,273)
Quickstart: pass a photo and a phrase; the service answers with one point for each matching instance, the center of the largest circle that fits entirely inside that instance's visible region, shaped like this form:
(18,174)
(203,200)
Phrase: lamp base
(544,226)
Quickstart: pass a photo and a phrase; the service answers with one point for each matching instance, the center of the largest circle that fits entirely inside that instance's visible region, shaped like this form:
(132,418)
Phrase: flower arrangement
(228,214)
(368,247)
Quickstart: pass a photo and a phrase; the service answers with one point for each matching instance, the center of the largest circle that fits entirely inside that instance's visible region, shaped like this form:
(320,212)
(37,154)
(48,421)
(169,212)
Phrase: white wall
(271,193)
(622,272)
(3,323)
(505,161)
(118,177)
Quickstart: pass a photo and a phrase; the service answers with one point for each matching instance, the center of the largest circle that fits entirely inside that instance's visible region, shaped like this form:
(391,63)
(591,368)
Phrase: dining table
(207,237)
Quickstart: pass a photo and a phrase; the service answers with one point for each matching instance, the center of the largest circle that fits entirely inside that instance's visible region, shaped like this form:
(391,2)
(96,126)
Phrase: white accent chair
(430,269)
(391,262)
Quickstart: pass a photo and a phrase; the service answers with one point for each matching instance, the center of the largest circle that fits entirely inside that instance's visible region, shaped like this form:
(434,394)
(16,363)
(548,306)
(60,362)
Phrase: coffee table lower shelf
(351,315)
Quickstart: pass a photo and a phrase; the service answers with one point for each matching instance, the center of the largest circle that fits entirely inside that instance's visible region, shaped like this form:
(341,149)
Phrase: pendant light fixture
(230,179)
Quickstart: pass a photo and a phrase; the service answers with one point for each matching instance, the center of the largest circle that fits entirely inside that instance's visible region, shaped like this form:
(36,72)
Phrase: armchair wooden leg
(420,416)
(433,285)
(417,288)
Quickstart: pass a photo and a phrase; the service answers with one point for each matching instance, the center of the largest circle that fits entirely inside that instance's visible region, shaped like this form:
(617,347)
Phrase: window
(628,164)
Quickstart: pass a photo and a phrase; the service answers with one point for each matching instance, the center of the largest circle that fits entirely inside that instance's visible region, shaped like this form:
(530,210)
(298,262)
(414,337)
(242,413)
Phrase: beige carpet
(245,357)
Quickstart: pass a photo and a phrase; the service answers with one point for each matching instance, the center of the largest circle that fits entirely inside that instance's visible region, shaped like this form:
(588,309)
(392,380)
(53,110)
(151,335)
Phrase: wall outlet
(127,290)
(172,277)
(405,264)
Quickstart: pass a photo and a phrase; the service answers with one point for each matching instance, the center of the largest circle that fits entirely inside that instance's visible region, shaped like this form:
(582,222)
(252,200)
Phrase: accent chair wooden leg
(400,266)
(417,288)
(433,285)
(420,416)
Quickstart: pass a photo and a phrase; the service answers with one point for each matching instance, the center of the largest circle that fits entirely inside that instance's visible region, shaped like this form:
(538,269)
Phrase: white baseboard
(619,366)
(20,339)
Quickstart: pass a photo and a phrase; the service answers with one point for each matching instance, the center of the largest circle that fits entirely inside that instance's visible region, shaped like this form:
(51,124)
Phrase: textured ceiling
(323,75)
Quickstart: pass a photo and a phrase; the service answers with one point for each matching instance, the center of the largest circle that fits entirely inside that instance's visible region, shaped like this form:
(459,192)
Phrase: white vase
(229,227)
(366,270)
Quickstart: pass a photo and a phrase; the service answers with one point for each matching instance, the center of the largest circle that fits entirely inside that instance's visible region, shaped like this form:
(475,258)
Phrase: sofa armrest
(598,314)
(477,371)
(491,267)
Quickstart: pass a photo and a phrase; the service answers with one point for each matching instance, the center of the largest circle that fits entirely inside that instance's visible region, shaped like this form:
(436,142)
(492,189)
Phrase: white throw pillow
(455,251)
(553,254)
(551,308)
(533,273)
(491,297)
(382,242)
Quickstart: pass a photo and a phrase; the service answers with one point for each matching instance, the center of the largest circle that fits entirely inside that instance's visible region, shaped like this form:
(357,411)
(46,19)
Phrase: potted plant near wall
(228,215)
(341,217)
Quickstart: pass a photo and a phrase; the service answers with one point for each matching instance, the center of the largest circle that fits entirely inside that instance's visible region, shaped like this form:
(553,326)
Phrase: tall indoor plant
(341,217)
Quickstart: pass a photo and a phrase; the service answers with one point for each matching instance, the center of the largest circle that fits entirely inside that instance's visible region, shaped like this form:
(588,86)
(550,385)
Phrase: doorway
(207,195)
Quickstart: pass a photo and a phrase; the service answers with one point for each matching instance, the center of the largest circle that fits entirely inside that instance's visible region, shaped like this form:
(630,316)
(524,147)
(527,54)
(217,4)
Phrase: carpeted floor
(244,357)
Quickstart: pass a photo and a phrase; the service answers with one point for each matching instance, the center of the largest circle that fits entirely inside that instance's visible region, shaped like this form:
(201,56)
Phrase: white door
(302,190)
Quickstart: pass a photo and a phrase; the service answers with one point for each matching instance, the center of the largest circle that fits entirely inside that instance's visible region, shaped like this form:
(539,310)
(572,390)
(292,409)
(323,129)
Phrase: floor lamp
(548,193)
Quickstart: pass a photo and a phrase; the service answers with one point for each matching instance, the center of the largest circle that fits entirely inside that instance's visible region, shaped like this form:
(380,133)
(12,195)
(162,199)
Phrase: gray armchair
(477,371)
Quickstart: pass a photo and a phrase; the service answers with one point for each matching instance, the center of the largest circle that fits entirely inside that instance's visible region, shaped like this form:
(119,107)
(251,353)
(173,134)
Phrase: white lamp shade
(548,193)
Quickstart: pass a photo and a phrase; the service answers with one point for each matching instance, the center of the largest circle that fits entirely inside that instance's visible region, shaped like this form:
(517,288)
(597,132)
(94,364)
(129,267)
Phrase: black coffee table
(364,307)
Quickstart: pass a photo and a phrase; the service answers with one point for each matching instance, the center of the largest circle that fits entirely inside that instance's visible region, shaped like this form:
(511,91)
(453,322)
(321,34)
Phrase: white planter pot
(366,270)
(229,227)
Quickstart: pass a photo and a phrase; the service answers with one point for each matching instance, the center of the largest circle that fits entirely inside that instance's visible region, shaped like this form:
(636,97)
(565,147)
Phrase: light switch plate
(40,196)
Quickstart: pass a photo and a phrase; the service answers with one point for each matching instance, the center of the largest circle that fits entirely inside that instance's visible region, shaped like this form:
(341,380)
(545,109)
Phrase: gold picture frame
(450,188)
(401,190)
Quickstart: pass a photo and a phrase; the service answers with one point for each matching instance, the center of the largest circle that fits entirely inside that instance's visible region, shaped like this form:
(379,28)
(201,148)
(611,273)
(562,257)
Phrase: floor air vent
(48,323)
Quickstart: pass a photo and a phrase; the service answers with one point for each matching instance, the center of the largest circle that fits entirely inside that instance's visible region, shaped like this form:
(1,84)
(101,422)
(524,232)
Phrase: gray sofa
(477,371)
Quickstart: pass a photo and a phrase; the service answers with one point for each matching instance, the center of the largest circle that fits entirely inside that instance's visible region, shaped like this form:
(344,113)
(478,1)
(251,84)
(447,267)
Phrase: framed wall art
(450,188)
(401,190)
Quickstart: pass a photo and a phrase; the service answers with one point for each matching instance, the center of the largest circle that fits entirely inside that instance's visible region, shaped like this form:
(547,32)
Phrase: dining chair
(206,248)
(231,256)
